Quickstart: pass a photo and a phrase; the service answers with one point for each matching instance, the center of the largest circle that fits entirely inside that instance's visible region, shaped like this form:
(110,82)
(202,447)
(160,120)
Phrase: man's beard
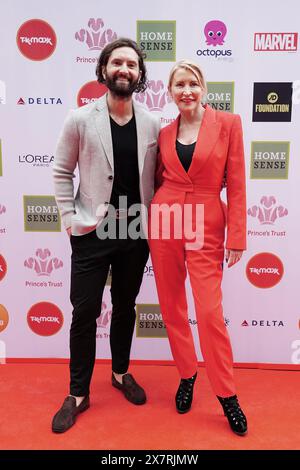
(122,90)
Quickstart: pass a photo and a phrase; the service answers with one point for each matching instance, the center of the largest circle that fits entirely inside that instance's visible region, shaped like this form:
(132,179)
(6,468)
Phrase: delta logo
(149,322)
(263,323)
(95,37)
(90,92)
(39,100)
(215,32)
(3,268)
(264,270)
(275,42)
(45,318)
(36,40)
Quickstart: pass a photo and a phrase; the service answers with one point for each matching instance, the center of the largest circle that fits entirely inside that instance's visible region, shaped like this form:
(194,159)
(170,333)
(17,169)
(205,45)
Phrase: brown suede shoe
(66,415)
(131,390)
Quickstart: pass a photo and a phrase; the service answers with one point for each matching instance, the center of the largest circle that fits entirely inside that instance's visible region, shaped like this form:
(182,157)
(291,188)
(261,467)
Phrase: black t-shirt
(185,153)
(126,171)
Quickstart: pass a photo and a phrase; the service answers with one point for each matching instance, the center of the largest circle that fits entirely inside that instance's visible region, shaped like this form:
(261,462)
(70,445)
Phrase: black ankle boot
(184,395)
(233,412)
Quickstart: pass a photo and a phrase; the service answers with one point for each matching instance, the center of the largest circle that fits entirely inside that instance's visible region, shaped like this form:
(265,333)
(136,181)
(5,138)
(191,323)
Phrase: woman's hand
(233,256)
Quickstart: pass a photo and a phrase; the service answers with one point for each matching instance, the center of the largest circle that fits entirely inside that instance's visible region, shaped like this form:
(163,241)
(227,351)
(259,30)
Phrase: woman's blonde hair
(192,67)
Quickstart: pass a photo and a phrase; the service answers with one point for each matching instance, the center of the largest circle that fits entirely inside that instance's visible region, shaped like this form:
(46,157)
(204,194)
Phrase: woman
(195,152)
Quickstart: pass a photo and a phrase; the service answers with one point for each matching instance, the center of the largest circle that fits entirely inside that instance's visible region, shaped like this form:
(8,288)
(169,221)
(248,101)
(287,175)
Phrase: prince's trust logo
(155,97)
(95,37)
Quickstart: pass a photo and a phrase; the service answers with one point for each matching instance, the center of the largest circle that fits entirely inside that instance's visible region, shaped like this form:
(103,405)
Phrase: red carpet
(32,393)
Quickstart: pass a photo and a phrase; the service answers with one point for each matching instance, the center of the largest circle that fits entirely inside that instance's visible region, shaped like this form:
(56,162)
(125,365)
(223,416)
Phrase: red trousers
(171,262)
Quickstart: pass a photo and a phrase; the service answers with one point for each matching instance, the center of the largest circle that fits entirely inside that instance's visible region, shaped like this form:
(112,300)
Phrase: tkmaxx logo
(36,39)
(264,270)
(90,92)
(45,319)
(3,267)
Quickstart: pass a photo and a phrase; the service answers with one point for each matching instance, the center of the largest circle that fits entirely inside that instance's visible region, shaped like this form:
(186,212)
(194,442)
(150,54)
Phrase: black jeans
(91,259)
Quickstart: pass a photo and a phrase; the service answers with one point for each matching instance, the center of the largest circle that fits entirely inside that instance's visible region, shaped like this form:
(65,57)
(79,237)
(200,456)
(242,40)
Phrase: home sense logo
(275,42)
(4,318)
(220,95)
(41,214)
(149,322)
(269,160)
(264,270)
(45,319)
(36,39)
(272,102)
(90,92)
(157,39)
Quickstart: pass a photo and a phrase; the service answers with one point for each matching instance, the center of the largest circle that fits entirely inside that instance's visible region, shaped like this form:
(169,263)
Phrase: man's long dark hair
(105,55)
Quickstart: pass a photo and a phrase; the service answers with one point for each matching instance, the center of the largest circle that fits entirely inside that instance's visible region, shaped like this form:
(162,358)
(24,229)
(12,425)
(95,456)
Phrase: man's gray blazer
(86,140)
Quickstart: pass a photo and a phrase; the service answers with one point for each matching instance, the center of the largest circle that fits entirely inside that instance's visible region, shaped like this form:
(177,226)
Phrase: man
(114,143)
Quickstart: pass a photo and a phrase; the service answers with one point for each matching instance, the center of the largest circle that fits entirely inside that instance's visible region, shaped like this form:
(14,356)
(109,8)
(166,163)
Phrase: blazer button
(110,177)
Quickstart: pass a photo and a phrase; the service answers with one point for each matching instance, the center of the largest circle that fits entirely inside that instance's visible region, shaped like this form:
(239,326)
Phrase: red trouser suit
(219,145)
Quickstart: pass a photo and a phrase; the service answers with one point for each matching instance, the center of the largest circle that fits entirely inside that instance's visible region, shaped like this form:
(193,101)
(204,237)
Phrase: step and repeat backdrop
(250,58)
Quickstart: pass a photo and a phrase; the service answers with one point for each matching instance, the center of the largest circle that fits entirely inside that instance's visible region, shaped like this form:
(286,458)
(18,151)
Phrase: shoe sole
(119,387)
(183,412)
(60,431)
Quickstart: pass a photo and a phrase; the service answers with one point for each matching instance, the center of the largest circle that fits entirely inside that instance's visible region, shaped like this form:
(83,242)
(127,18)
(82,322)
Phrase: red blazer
(219,146)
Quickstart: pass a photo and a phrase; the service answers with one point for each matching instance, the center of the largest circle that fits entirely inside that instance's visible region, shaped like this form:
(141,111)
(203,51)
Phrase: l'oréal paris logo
(31,159)
(215,32)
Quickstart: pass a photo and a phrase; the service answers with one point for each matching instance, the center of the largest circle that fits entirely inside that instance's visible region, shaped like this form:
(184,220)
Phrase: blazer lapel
(141,131)
(172,152)
(102,124)
(207,138)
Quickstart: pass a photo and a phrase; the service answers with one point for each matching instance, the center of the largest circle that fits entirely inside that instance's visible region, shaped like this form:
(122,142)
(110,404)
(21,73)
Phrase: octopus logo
(36,39)
(90,92)
(215,32)
(264,270)
(45,319)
